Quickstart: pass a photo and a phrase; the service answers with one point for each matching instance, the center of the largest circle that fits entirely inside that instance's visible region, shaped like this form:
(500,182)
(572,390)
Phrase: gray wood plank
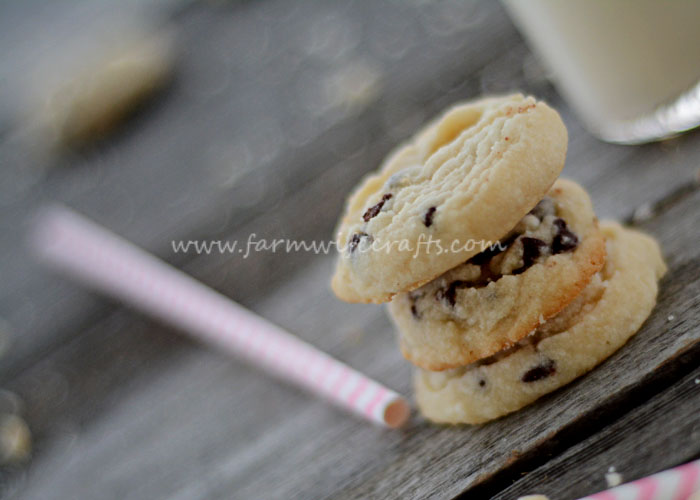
(647,440)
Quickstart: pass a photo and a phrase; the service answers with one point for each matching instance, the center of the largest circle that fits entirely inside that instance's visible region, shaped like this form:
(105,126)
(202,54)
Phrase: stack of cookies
(501,282)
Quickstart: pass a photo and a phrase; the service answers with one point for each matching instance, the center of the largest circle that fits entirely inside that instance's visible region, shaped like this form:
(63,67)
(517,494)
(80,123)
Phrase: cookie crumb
(671,317)
(697,381)
(613,478)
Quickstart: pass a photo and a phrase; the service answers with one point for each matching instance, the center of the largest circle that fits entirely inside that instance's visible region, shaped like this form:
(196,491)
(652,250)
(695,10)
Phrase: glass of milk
(630,68)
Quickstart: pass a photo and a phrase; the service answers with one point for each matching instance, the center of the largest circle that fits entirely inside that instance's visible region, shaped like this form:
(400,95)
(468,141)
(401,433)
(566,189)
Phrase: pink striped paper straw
(112,265)
(679,483)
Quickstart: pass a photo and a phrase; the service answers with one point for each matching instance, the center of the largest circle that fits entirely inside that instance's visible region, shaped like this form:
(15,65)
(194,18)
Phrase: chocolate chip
(355,240)
(543,370)
(413,296)
(564,240)
(428,216)
(374,210)
(482,382)
(488,254)
(449,293)
(414,312)
(532,248)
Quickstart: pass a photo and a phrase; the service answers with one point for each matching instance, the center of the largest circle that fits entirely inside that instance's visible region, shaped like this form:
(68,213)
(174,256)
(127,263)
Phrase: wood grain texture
(650,438)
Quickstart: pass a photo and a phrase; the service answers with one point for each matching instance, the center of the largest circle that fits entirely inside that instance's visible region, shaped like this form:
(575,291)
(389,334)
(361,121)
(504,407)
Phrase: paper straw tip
(396,413)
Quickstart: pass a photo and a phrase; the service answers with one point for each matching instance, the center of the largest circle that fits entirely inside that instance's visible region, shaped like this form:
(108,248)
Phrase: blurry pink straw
(112,265)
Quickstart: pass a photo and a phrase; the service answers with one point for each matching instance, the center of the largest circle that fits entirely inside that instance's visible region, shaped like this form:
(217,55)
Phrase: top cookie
(462,182)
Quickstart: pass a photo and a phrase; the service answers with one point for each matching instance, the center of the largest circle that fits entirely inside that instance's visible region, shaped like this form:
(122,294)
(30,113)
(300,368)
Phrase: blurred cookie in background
(89,105)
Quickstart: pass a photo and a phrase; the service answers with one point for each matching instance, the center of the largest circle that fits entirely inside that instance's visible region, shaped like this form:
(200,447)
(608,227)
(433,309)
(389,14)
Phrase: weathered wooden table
(278,108)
